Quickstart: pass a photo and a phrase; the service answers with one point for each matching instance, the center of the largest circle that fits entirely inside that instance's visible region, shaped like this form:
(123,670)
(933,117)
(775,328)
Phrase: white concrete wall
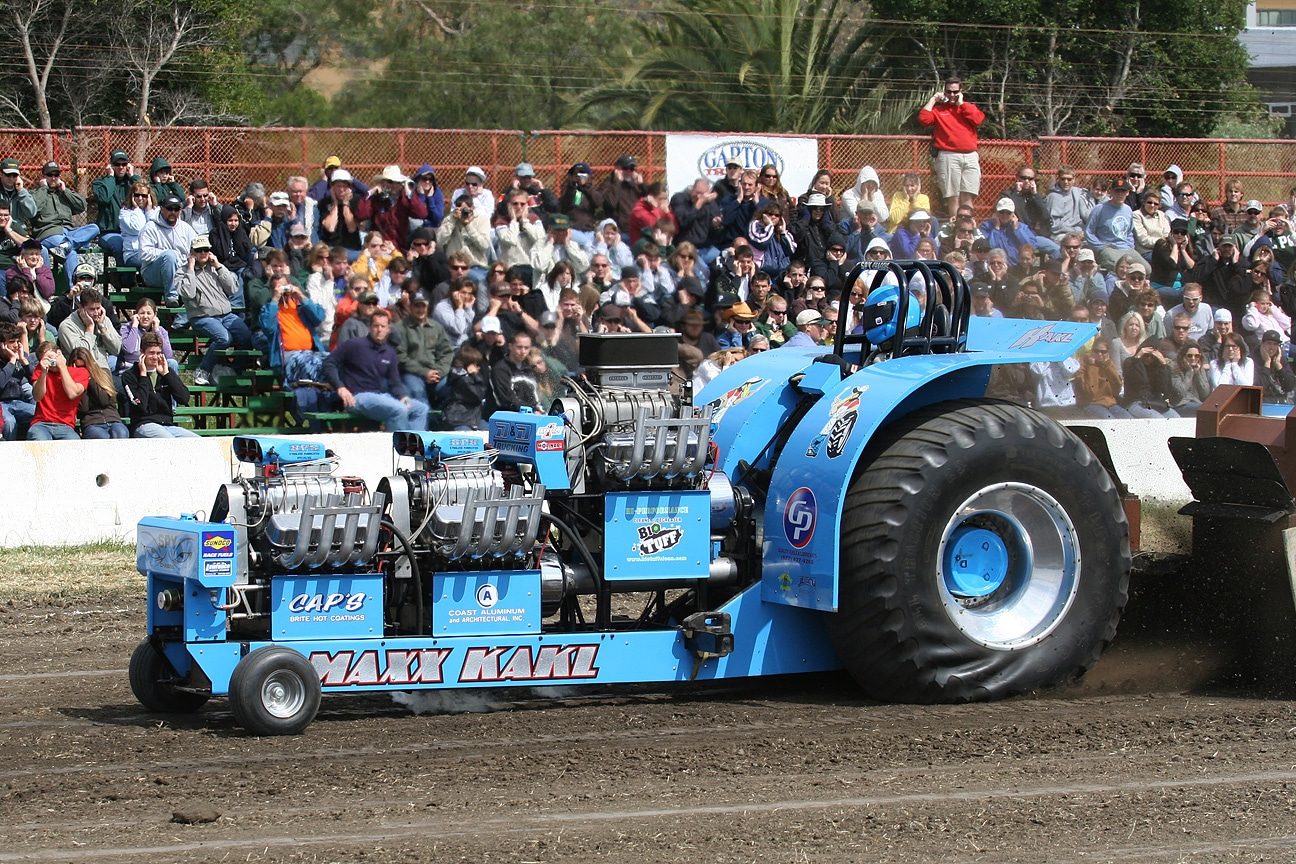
(70,493)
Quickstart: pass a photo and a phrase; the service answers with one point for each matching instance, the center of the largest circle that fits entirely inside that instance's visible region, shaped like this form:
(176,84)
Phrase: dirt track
(1125,767)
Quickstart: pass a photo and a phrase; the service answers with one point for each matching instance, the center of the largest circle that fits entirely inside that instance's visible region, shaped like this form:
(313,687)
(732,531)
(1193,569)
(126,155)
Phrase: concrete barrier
(72,493)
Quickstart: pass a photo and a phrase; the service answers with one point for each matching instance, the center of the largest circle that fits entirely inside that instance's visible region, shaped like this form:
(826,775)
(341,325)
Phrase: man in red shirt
(954,123)
(56,389)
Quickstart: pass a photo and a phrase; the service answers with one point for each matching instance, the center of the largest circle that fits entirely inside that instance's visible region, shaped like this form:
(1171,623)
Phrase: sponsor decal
(218,568)
(550,430)
(218,544)
(653,539)
(480,665)
(785,582)
(1045,333)
(550,446)
(487,596)
(843,414)
(800,514)
(327,602)
(733,397)
(750,154)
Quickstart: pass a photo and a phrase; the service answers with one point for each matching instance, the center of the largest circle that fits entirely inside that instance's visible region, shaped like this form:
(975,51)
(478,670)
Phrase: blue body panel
(769,640)
(803,509)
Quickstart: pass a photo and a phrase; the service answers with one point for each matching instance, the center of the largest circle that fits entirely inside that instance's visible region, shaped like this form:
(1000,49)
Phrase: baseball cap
(30,244)
(476,171)
(369,297)
(1006,204)
(171,202)
(524,169)
(298,230)
(611,311)
(581,168)
(630,271)
(559,222)
(491,324)
(279,199)
(732,162)
(341,175)
(333,162)
(1271,336)
(51,169)
(419,297)
(919,216)
(1138,266)
(1085,255)
(1119,185)
(1225,241)
(1179,224)
(84,270)
(1255,205)
(9,166)
(1223,316)
(119,157)
(808,316)
(199,243)
(548,319)
(626,162)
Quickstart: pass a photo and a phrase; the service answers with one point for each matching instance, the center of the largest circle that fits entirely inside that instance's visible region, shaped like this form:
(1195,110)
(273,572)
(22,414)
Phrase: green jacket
(109,195)
(22,206)
(54,211)
(162,190)
(422,347)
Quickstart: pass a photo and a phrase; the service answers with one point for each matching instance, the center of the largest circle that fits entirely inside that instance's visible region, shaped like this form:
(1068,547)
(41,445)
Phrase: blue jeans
(113,243)
(51,432)
(224,331)
(391,412)
(160,273)
(1044,244)
(417,387)
(77,240)
(104,431)
(303,366)
(16,412)
(1102,412)
(157,430)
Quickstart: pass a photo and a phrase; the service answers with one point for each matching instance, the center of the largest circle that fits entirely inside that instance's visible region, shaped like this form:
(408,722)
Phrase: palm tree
(752,65)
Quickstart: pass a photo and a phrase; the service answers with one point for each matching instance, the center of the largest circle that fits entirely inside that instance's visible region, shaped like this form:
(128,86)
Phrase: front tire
(152,680)
(274,691)
(985,553)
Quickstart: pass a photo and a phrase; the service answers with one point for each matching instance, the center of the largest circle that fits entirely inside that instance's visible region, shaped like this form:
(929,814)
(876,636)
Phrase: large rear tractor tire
(985,553)
(274,691)
(152,680)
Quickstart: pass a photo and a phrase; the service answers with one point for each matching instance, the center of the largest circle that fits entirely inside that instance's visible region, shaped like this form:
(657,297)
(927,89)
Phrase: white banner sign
(689,157)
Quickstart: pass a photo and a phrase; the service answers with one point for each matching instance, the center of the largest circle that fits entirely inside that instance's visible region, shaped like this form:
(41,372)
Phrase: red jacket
(955,126)
(392,221)
(643,218)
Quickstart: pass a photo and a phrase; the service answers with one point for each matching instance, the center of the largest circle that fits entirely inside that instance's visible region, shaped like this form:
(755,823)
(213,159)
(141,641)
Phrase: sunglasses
(879,253)
(139,195)
(1025,177)
(172,209)
(458,267)
(1137,176)
(769,176)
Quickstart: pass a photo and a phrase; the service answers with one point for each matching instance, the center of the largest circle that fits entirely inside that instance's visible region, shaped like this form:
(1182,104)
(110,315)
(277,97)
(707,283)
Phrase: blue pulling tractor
(860,507)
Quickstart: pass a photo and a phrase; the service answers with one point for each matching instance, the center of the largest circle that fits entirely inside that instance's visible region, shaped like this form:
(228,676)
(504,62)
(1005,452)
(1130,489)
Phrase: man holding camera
(468,232)
(389,207)
(206,286)
(954,122)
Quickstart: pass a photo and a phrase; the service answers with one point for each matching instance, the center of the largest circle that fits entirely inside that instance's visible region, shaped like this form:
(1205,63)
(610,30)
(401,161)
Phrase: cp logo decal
(799,517)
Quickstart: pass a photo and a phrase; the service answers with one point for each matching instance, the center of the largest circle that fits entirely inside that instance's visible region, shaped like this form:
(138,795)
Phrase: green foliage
(1142,67)
(501,65)
(767,66)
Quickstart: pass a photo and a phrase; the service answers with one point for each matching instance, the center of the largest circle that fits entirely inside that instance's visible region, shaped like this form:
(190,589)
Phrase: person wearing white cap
(917,226)
(339,215)
(474,185)
(390,206)
(542,200)
(1005,230)
(810,330)
(1222,326)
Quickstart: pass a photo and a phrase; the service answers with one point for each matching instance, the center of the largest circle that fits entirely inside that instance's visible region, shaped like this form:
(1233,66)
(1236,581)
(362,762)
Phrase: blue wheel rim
(976,562)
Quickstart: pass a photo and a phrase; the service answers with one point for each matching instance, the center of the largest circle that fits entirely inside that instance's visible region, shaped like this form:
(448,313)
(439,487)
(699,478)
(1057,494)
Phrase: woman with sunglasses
(139,208)
(1172,258)
(770,188)
(1150,225)
(1098,385)
(1189,382)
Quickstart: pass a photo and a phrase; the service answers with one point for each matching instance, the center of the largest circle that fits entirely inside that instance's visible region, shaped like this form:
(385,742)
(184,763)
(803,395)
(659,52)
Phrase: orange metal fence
(230,157)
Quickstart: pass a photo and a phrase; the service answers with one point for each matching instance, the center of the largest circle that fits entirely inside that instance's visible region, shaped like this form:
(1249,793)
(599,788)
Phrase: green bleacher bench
(341,421)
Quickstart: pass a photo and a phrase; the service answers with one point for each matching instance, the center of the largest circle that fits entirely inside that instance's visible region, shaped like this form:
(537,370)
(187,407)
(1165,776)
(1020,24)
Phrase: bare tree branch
(442,24)
(149,35)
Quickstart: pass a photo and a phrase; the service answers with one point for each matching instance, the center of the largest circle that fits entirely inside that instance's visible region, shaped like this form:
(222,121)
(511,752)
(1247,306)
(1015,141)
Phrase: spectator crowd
(412,297)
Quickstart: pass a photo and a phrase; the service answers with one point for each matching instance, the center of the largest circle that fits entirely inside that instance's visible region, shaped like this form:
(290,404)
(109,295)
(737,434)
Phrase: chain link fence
(231,157)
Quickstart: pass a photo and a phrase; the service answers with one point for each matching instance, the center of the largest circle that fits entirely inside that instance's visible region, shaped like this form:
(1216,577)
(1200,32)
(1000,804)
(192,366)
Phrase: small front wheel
(274,691)
(152,680)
